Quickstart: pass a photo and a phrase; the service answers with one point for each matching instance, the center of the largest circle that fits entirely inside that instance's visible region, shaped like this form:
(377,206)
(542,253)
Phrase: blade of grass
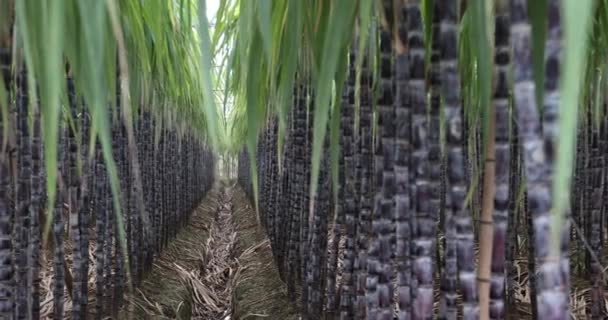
(339,31)
(577,17)
(207,79)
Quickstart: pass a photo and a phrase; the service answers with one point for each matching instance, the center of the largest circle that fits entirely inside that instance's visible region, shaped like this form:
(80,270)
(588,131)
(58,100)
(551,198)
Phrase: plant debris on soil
(164,292)
(218,267)
(210,286)
(259,292)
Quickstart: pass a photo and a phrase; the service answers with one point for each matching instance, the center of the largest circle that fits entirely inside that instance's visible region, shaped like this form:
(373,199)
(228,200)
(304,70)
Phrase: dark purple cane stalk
(456,183)
(539,154)
(503,160)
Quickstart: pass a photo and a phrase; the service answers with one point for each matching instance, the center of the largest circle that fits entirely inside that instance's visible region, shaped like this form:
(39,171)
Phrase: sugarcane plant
(425,52)
(350,124)
(77,130)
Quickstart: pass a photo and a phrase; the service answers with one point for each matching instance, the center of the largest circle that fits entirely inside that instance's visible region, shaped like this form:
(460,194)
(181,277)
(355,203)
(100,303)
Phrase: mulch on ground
(162,294)
(259,291)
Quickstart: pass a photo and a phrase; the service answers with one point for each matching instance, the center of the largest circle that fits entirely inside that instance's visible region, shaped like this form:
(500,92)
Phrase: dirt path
(192,277)
(259,292)
(219,267)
